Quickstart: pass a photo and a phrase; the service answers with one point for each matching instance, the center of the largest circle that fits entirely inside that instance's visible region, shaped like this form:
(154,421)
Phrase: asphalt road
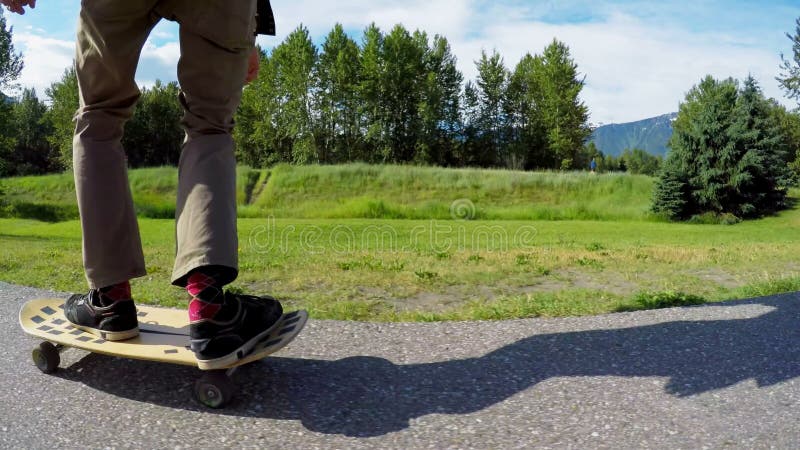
(713,376)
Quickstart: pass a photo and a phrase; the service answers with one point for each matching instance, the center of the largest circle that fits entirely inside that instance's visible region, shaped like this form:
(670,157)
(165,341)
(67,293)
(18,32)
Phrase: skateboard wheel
(46,357)
(214,389)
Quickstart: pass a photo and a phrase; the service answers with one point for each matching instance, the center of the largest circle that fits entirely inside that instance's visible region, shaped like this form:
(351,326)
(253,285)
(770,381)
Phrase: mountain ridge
(650,135)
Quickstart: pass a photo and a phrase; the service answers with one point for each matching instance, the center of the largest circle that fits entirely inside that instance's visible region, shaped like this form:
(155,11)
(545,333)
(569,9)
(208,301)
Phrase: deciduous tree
(63,96)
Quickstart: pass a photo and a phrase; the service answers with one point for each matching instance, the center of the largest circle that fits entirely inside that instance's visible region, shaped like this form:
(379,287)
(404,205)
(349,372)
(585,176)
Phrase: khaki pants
(216,37)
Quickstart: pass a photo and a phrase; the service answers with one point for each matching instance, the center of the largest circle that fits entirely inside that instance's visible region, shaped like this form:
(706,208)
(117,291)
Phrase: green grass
(367,242)
(366,191)
(407,192)
(423,270)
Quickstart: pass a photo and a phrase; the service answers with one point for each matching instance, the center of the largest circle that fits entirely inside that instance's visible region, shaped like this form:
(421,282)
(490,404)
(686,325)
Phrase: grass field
(390,243)
(401,269)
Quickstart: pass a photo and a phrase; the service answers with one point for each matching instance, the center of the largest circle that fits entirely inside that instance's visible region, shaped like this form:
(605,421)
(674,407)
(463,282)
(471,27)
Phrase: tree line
(398,97)
(393,97)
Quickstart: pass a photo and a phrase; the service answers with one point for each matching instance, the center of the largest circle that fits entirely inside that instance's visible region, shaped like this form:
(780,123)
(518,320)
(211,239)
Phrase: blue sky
(639,57)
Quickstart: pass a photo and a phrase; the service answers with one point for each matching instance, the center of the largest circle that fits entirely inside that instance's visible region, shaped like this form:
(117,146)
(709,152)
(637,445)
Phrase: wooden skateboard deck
(163,337)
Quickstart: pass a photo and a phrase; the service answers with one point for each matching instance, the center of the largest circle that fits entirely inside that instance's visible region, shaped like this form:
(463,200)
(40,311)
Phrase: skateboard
(163,337)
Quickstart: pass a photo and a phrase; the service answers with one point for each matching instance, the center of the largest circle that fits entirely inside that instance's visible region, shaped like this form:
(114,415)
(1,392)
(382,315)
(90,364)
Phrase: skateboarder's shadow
(369,396)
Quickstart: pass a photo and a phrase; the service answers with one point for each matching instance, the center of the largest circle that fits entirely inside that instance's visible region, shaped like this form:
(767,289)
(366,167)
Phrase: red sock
(119,291)
(206,294)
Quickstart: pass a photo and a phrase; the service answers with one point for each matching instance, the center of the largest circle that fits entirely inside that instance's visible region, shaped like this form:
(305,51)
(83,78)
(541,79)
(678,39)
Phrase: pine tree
(726,154)
(789,124)
(790,75)
(760,179)
(671,194)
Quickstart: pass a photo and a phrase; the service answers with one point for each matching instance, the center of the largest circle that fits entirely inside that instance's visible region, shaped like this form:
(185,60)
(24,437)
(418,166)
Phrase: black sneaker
(115,322)
(241,322)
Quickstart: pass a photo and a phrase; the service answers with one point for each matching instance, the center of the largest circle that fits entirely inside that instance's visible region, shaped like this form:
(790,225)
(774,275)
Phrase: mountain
(650,135)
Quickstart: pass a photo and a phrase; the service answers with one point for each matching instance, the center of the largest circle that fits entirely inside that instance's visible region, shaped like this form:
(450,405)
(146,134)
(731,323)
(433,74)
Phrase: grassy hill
(366,191)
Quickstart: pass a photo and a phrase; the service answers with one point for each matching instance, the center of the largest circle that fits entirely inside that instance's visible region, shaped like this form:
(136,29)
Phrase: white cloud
(162,34)
(167,54)
(632,71)
(45,60)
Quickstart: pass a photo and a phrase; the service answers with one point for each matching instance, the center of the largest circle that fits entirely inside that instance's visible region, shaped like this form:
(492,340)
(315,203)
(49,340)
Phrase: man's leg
(110,38)
(216,41)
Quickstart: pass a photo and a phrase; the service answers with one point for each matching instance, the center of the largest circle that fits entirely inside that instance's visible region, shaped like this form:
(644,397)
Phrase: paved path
(713,376)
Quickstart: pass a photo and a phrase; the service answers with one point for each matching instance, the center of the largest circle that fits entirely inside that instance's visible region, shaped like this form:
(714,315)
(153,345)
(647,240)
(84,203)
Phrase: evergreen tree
(671,193)
(699,138)
(761,177)
(790,75)
(789,124)
(726,155)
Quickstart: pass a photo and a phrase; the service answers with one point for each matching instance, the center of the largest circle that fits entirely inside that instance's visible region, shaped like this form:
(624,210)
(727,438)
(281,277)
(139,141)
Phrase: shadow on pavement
(368,396)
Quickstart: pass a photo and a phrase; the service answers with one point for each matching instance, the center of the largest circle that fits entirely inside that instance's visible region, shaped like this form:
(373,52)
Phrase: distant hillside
(650,135)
